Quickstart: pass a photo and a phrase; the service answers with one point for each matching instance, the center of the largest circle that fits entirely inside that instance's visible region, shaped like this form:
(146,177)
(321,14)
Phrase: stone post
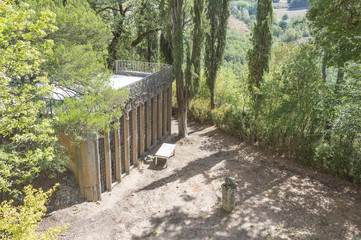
(228,194)
(90,169)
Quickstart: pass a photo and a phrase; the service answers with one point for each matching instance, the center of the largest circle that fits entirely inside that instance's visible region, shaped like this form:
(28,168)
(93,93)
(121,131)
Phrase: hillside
(291,12)
(237,25)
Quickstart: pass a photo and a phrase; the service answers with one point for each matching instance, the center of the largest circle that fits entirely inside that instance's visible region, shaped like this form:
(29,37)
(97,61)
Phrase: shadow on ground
(275,198)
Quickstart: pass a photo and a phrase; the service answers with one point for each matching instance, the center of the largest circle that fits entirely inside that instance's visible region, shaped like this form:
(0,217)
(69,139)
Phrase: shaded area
(275,198)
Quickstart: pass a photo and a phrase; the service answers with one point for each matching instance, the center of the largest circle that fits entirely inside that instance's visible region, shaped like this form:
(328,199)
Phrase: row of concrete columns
(89,159)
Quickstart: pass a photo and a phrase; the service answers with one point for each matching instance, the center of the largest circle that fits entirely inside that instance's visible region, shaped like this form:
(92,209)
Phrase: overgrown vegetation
(21,222)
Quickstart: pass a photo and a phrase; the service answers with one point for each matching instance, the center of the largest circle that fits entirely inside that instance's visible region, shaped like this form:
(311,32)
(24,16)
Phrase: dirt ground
(275,198)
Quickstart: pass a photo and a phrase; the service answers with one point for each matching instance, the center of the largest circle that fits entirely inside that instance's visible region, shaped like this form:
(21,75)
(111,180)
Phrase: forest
(290,84)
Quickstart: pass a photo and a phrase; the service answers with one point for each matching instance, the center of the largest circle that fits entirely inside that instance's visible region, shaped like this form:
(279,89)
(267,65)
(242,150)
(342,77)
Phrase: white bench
(165,151)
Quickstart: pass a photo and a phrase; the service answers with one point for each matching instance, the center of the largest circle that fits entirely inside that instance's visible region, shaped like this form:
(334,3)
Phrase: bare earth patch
(276,198)
(237,25)
(292,13)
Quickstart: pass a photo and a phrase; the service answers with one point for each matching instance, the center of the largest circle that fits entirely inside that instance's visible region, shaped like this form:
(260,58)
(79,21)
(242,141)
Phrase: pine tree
(218,13)
(259,55)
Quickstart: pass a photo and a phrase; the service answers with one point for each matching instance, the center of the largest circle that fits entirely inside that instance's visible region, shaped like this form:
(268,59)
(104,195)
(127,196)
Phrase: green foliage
(244,10)
(199,110)
(27,141)
(21,222)
(235,51)
(299,4)
(296,109)
(283,24)
(336,27)
(277,31)
(198,39)
(231,88)
(217,15)
(85,101)
(134,26)
(80,45)
(295,101)
(291,35)
(259,55)
(92,113)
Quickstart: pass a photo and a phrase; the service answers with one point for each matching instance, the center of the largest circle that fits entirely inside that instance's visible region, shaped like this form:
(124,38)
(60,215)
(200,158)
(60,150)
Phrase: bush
(291,35)
(21,222)
(295,112)
(298,3)
(199,110)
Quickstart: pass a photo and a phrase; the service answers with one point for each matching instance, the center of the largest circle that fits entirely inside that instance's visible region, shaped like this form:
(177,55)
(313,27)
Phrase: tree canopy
(336,26)
(27,140)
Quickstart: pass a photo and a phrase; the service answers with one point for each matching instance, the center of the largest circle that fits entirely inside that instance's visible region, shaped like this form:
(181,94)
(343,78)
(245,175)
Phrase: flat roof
(117,81)
(121,80)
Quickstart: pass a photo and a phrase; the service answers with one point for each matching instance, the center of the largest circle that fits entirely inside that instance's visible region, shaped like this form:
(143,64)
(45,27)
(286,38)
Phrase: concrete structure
(100,162)
(228,194)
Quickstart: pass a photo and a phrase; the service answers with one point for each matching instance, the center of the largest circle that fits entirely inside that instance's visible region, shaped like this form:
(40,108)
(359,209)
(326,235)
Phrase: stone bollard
(228,197)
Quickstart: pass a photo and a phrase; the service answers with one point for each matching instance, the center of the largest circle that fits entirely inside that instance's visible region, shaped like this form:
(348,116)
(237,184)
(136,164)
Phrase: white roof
(118,81)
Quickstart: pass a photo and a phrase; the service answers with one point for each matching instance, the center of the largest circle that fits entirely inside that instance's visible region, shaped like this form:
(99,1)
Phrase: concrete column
(134,135)
(160,116)
(228,194)
(126,143)
(141,130)
(80,170)
(164,103)
(90,170)
(154,127)
(147,134)
(108,164)
(170,108)
(118,164)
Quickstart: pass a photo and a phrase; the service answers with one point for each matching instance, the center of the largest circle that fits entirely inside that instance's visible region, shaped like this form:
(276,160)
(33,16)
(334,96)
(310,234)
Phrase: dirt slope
(276,199)
(237,25)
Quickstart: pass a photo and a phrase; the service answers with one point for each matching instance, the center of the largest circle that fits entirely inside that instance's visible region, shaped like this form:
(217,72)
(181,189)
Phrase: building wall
(98,164)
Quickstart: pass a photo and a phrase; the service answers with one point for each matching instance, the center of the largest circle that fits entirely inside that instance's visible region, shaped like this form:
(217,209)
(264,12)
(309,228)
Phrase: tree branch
(142,36)
(107,8)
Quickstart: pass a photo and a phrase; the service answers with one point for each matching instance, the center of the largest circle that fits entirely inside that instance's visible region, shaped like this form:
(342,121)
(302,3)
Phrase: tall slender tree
(193,71)
(259,55)
(218,14)
(176,7)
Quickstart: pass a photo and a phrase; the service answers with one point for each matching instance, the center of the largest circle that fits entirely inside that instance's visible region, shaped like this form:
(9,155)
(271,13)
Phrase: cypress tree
(176,7)
(198,37)
(218,13)
(259,55)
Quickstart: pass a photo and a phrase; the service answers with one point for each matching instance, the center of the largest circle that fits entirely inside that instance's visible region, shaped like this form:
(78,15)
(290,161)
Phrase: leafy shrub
(295,113)
(199,110)
(21,222)
(291,35)
(283,25)
(27,140)
(298,3)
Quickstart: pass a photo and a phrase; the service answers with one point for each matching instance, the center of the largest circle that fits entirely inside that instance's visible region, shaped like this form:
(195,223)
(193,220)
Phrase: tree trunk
(182,108)
(340,75)
(177,39)
(113,50)
(324,74)
(212,100)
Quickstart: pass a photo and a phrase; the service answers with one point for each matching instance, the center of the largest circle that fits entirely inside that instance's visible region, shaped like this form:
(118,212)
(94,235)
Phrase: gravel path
(276,198)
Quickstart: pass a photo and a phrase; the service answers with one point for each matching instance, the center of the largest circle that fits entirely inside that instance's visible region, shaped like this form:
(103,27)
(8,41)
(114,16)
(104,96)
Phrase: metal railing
(138,67)
(154,75)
